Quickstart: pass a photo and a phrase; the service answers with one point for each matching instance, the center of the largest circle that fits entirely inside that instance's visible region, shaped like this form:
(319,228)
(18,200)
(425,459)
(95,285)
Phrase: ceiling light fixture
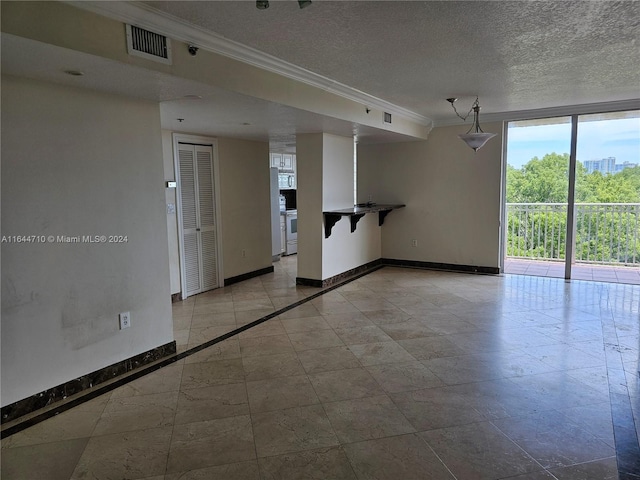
(262,4)
(475,137)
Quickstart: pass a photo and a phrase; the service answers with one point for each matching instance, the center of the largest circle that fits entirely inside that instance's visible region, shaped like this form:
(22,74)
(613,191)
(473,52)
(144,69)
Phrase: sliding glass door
(537,185)
(607,197)
(572,206)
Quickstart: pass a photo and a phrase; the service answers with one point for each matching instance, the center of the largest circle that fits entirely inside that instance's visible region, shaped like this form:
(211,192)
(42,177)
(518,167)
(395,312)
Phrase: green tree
(602,233)
(541,180)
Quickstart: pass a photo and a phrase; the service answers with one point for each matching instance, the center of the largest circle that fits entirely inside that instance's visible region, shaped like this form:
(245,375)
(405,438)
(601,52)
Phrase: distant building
(624,165)
(606,165)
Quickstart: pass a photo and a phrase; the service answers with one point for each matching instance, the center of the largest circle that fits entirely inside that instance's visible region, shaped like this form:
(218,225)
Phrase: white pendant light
(475,137)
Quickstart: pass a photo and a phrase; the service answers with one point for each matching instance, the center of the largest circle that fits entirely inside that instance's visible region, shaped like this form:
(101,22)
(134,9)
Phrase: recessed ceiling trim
(147,17)
(603,107)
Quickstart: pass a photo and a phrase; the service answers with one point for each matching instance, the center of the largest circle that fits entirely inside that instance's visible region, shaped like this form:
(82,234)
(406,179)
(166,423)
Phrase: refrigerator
(276,232)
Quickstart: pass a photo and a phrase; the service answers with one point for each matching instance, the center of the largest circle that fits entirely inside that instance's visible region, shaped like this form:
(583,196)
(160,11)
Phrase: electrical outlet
(125,320)
(414,243)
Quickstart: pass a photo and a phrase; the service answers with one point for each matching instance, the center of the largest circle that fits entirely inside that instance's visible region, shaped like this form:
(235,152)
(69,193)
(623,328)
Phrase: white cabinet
(288,163)
(276,160)
(284,162)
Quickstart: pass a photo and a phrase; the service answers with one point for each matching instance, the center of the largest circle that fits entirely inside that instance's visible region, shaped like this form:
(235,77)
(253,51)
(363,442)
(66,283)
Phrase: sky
(597,139)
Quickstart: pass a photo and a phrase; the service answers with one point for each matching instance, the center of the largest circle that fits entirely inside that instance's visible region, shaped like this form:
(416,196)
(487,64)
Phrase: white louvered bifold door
(198,218)
(208,240)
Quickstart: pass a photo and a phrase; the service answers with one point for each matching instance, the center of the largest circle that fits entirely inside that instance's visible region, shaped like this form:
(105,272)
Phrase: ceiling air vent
(387,117)
(149,45)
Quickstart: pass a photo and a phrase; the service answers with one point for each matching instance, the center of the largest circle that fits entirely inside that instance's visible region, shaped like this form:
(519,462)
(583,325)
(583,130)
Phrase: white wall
(172,218)
(452,197)
(245,204)
(325,182)
(344,250)
(76,162)
(309,202)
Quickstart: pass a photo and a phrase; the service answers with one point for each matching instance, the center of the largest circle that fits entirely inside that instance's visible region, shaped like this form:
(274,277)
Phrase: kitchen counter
(355,213)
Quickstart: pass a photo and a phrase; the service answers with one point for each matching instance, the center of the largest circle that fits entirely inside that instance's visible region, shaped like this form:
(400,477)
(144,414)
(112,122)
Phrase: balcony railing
(604,233)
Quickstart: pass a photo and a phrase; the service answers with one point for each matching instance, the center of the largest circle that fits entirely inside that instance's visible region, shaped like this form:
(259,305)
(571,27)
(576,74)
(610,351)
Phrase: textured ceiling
(517,55)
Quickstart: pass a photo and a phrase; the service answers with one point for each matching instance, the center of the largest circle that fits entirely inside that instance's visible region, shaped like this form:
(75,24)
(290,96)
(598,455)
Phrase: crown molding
(561,111)
(149,18)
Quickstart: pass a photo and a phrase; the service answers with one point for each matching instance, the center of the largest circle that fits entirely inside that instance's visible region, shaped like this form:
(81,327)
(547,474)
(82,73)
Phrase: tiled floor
(579,271)
(402,374)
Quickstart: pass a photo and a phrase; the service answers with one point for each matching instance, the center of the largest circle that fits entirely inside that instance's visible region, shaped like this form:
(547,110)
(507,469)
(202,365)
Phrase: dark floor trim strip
(247,276)
(59,393)
(624,429)
(142,371)
(449,267)
(327,282)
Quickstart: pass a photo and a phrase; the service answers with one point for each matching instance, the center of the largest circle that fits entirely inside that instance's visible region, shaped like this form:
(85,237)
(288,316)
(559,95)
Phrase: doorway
(198,213)
(572,201)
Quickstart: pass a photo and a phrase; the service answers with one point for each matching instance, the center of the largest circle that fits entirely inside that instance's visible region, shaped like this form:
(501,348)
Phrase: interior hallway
(401,374)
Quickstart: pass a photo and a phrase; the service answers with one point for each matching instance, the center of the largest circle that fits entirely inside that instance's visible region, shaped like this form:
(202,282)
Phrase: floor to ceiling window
(574,213)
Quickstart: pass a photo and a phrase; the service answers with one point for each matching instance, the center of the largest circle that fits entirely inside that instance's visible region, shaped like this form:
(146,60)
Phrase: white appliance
(276,206)
(283,203)
(291,232)
(286,180)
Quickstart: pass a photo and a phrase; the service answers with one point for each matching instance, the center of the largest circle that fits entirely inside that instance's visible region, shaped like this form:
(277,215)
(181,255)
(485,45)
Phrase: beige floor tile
(402,377)
(361,335)
(140,412)
(215,319)
(234,471)
(51,461)
(405,457)
(306,324)
(280,393)
(344,385)
(381,352)
(479,450)
(124,456)
(321,464)
(347,319)
(525,354)
(272,366)
(605,469)
(292,430)
(435,408)
(408,329)
(212,442)
(229,348)
(319,339)
(167,379)
(380,317)
(206,374)
(209,403)
(328,359)
(427,348)
(553,440)
(77,422)
(366,418)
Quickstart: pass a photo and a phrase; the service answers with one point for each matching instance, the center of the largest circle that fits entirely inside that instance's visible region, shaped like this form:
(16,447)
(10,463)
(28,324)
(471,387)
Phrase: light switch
(171,208)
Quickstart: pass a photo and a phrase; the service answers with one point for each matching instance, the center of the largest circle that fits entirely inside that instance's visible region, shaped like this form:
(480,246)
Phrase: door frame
(213,143)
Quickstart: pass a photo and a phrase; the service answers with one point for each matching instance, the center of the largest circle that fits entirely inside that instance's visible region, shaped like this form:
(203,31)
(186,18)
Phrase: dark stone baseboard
(247,276)
(56,394)
(176,297)
(341,277)
(451,267)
